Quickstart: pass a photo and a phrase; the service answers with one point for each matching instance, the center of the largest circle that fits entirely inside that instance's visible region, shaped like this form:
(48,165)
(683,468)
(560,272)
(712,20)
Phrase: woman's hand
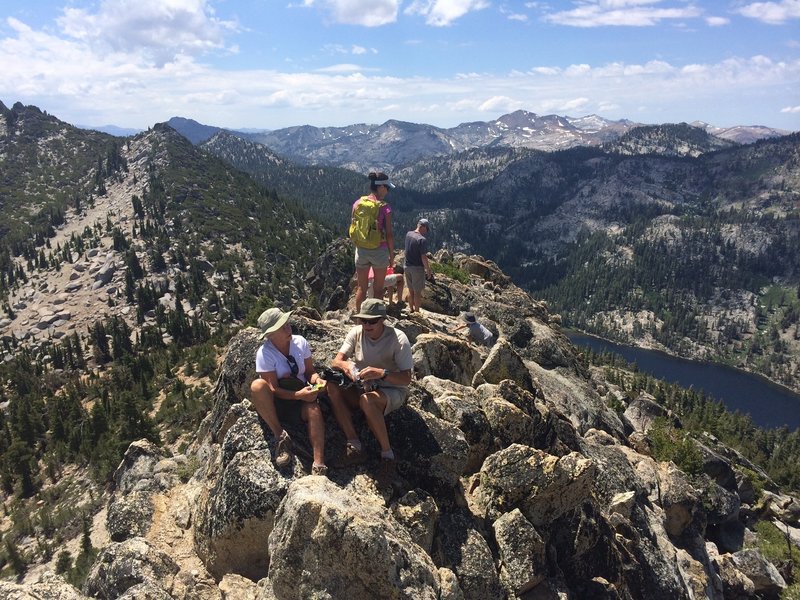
(307,394)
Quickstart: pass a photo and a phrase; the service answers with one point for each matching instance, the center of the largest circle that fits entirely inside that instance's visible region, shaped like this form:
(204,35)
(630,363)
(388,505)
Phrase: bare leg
(312,415)
(413,300)
(362,277)
(262,399)
(341,410)
(373,404)
(377,282)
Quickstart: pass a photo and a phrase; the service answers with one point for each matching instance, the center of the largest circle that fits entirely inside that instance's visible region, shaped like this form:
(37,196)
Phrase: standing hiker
(417,266)
(371,232)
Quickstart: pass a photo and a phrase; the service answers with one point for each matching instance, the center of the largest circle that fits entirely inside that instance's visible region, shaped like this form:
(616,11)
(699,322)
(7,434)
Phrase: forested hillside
(99,354)
(700,256)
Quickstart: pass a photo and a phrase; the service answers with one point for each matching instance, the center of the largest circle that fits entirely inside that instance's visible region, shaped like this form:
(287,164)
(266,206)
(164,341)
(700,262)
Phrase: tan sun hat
(271,320)
(371,308)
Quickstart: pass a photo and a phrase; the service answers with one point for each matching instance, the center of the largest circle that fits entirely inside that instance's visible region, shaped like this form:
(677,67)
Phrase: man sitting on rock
(378,357)
(392,284)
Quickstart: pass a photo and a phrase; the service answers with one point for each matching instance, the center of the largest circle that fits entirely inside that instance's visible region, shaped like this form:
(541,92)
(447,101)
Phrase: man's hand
(370,373)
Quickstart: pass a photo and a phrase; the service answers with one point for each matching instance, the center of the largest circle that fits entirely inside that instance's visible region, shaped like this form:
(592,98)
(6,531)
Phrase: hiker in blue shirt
(417,266)
(477,332)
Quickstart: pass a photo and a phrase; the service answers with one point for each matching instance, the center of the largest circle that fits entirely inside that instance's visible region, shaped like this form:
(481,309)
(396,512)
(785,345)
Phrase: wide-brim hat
(468,317)
(371,308)
(271,320)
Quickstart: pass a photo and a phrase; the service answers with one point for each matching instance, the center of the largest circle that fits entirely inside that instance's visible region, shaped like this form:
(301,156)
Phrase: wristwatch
(385,373)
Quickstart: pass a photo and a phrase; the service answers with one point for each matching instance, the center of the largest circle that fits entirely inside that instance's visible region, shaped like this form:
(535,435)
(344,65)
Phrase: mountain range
(395,144)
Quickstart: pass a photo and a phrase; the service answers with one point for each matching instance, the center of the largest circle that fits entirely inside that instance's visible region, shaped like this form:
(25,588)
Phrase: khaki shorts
(415,279)
(395,398)
(377,258)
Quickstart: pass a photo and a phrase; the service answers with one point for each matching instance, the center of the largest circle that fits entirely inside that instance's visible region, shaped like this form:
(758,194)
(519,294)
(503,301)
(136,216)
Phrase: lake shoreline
(769,404)
(661,349)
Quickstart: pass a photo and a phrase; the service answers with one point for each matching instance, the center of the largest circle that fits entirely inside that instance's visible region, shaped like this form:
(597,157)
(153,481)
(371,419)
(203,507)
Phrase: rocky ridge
(515,480)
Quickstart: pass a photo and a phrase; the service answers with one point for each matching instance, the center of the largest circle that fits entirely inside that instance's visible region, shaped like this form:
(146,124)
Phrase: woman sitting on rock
(286,388)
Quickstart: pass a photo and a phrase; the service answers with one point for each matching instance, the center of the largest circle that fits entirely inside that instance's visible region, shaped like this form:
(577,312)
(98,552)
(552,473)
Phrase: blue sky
(276,63)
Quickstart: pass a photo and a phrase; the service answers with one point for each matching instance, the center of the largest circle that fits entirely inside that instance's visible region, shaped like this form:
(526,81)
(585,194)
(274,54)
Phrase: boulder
(329,279)
(522,553)
(466,414)
(106,273)
(642,411)
(145,591)
(445,357)
(438,296)
(137,469)
(502,363)
(735,584)
(121,566)
(48,586)
(327,539)
(236,516)
(541,485)
(129,515)
(782,507)
(717,467)
(236,587)
(485,269)
(461,547)
(416,510)
(430,450)
(767,581)
(683,508)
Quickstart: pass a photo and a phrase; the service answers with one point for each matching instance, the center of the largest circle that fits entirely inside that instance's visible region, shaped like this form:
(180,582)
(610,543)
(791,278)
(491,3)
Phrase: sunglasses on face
(292,365)
(370,321)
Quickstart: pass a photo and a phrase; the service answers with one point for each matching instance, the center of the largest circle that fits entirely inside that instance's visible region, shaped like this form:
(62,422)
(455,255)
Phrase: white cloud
(159,30)
(565,106)
(630,13)
(343,68)
(354,49)
(791,109)
(717,21)
(500,104)
(369,13)
(440,13)
(74,81)
(774,13)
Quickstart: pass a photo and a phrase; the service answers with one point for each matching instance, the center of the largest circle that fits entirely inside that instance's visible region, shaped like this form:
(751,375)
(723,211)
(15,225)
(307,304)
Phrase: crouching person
(379,358)
(286,388)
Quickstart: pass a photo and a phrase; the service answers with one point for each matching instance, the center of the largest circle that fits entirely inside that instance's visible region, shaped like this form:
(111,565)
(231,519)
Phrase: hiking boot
(354,456)
(319,470)
(284,451)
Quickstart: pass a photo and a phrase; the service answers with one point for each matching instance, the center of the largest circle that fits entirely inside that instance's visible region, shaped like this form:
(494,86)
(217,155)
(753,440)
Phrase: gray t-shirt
(391,351)
(416,247)
(480,334)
